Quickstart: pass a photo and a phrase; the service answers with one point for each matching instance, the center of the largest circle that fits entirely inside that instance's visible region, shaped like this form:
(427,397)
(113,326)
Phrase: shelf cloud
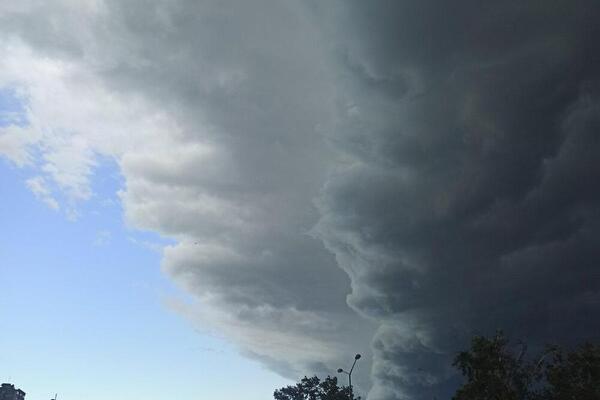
(378,177)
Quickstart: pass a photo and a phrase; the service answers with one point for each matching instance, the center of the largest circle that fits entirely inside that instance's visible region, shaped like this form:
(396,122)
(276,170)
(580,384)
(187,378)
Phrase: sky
(215,198)
(93,318)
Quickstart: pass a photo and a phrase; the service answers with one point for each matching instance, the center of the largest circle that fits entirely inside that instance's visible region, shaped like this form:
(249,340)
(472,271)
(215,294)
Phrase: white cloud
(39,188)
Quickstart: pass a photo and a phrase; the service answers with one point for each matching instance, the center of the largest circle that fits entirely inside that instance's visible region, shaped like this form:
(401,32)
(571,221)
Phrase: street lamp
(341,371)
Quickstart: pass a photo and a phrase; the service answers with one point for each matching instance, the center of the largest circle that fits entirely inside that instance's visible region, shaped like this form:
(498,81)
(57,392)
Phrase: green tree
(315,389)
(493,371)
(574,375)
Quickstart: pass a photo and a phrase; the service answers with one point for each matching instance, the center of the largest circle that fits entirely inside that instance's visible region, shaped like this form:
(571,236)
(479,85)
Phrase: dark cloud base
(472,204)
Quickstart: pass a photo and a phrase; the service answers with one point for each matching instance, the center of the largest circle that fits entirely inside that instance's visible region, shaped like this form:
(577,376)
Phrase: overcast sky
(312,179)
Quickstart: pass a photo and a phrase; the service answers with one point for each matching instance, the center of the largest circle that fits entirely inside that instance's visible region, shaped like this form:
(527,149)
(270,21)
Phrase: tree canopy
(315,389)
(493,372)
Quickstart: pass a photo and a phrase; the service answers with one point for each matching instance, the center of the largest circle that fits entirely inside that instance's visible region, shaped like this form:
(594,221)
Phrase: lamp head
(356,357)
(340,370)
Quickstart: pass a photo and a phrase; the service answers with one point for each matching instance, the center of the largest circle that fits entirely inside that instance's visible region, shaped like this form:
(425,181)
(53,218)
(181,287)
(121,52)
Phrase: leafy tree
(315,389)
(493,372)
(574,375)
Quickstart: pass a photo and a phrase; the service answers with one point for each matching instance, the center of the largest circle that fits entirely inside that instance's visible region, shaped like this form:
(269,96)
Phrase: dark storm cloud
(471,203)
(452,149)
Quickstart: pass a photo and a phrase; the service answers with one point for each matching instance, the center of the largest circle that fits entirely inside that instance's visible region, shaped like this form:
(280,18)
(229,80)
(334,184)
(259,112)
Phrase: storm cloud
(337,176)
(471,201)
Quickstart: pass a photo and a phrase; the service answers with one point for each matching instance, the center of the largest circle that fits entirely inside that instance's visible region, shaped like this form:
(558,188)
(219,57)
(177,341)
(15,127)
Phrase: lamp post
(341,371)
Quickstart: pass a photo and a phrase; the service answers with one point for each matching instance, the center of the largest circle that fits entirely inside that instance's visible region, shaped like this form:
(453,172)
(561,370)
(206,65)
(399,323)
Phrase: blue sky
(85,306)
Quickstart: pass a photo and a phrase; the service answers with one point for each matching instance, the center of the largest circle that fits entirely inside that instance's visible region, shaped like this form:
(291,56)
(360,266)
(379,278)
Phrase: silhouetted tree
(493,372)
(315,389)
(574,375)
